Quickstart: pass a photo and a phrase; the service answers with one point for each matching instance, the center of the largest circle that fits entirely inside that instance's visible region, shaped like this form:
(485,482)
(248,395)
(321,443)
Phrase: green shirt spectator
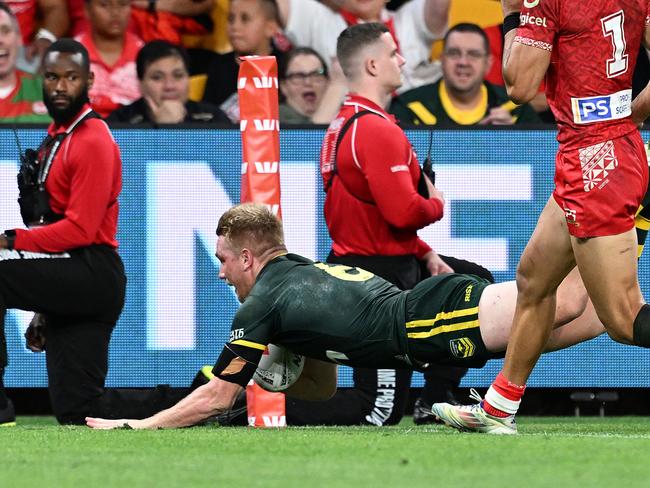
(432,105)
(462,96)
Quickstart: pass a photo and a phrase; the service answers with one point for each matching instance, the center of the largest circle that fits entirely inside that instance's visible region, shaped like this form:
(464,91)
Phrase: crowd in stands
(172,61)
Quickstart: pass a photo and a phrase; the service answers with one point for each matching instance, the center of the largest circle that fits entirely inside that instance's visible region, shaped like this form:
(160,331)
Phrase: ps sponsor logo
(594,108)
(602,107)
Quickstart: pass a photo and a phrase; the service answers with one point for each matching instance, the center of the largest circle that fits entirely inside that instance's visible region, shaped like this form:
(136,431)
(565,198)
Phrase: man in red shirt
(587,52)
(65,265)
(373,211)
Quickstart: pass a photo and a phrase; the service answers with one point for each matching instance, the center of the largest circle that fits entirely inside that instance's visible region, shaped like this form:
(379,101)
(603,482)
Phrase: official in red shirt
(64,266)
(373,211)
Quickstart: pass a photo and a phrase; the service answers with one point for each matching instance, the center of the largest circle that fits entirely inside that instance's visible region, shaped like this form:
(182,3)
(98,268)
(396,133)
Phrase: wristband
(510,22)
(45,34)
(10,236)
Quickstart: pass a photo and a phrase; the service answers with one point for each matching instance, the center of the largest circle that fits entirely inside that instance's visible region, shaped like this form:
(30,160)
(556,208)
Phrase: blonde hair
(252,226)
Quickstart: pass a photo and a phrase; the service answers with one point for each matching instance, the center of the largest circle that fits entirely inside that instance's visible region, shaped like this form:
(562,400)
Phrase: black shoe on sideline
(8,415)
(422,410)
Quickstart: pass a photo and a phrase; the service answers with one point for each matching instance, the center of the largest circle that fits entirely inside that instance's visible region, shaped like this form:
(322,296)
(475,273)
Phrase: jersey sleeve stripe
(527,41)
(444,328)
(253,345)
(442,316)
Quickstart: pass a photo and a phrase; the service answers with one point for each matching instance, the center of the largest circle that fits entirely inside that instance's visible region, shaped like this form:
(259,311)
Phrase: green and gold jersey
(431,105)
(349,316)
(324,311)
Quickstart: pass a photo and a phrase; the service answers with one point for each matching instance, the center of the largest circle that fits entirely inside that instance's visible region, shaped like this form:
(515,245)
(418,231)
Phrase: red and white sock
(503,398)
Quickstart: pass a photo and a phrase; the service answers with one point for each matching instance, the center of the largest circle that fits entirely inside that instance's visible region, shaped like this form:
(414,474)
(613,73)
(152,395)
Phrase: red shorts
(600,187)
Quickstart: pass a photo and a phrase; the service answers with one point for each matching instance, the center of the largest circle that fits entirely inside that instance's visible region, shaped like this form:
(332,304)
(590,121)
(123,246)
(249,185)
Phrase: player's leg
(546,261)
(77,364)
(585,327)
(608,266)
(83,286)
(497,309)
(21,284)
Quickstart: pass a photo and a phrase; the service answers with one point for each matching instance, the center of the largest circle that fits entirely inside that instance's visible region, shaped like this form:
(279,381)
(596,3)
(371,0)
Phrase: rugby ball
(278,369)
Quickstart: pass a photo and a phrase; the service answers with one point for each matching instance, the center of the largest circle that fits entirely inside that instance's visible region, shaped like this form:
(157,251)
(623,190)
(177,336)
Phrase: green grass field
(549,452)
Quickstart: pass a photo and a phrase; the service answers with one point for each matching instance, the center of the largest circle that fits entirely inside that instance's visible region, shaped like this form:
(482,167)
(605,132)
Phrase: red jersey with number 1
(594,45)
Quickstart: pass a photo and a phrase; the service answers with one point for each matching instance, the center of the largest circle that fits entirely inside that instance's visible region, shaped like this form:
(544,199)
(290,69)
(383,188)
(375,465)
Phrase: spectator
(251,27)
(52,17)
(112,53)
(414,27)
(310,96)
(21,94)
(164,83)
(462,96)
(170,9)
(169,20)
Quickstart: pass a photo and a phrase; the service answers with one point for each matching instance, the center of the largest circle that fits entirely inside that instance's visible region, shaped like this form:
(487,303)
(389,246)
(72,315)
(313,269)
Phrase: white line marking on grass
(605,435)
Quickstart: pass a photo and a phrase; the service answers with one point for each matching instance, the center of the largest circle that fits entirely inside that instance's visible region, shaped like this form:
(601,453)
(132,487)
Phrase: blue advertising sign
(177,182)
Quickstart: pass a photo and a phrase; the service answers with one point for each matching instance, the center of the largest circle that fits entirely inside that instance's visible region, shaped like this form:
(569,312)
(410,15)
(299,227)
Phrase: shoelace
(474,395)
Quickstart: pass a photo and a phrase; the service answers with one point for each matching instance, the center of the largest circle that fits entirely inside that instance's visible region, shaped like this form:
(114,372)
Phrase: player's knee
(571,303)
(527,286)
(621,327)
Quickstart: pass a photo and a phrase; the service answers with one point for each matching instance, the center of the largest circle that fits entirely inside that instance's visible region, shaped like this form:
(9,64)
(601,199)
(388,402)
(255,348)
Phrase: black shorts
(442,321)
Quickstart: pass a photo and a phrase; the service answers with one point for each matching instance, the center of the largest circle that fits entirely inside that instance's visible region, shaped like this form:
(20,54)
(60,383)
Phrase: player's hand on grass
(435,264)
(35,334)
(109,424)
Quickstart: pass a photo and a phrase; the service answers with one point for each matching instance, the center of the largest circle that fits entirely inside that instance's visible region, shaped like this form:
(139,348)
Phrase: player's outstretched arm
(213,398)
(317,381)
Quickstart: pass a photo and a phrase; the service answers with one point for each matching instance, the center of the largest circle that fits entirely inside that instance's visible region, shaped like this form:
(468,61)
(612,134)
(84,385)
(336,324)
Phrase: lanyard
(58,139)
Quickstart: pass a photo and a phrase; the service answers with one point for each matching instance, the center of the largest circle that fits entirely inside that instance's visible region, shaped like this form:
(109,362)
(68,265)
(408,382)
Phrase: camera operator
(65,266)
